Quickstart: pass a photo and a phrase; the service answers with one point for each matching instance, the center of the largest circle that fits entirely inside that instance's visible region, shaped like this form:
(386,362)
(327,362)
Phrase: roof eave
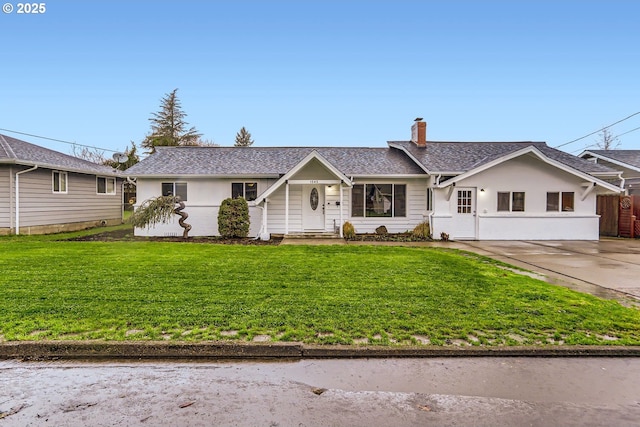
(114,173)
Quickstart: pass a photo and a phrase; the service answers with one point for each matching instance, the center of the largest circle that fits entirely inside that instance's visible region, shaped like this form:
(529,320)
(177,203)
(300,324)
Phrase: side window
(105,185)
(517,204)
(503,202)
(59,184)
(237,190)
(553,202)
(567,201)
(429,199)
(357,200)
(248,190)
(175,189)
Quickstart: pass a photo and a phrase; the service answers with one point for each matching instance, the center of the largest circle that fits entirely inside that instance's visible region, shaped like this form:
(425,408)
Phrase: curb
(55,350)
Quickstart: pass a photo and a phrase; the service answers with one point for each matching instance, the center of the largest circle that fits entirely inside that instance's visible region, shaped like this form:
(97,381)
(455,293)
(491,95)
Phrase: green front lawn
(134,290)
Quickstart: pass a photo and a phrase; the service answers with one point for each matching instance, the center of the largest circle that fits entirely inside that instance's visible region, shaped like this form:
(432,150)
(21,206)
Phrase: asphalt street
(364,392)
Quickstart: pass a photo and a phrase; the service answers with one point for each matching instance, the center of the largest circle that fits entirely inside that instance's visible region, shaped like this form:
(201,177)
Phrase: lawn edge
(148,350)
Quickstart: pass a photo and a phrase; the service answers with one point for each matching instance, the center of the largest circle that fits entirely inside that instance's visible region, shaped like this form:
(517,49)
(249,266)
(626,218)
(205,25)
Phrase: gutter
(18,196)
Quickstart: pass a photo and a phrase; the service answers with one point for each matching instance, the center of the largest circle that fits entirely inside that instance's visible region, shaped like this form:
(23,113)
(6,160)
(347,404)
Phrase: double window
(59,182)
(248,190)
(557,201)
(105,185)
(379,200)
(175,189)
(512,201)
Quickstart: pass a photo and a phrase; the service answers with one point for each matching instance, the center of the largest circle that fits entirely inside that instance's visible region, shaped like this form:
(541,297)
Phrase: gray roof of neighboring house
(457,157)
(630,157)
(270,161)
(16,151)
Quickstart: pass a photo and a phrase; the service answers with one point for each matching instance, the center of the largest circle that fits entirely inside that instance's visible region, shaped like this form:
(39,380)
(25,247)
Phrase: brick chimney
(419,133)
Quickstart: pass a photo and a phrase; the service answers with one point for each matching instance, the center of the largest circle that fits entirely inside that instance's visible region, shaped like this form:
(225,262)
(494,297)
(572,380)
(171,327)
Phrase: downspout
(622,182)
(18,196)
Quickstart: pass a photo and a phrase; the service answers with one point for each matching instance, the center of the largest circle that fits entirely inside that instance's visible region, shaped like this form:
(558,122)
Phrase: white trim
(315,181)
(286,208)
(66,181)
(106,192)
(531,150)
(610,160)
(18,196)
(301,164)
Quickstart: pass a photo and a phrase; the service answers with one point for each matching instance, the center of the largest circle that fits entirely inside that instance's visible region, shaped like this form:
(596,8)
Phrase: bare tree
(606,141)
(93,155)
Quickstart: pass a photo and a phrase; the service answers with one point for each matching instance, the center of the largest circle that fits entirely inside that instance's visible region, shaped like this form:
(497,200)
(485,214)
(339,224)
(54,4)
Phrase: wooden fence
(619,215)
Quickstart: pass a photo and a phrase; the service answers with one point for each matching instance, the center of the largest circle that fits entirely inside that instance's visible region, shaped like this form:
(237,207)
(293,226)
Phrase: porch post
(265,230)
(286,208)
(341,208)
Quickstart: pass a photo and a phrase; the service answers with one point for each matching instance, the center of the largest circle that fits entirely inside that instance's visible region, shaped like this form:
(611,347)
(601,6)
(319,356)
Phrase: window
(464,201)
(175,189)
(357,200)
(503,202)
(59,182)
(517,203)
(553,201)
(429,199)
(248,190)
(511,201)
(567,201)
(379,200)
(105,185)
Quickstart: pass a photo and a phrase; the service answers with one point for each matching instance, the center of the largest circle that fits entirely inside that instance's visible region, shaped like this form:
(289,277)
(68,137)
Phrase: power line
(595,145)
(629,131)
(599,130)
(59,140)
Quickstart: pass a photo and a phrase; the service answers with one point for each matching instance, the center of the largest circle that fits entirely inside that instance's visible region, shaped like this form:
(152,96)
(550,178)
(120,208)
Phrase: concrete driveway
(587,266)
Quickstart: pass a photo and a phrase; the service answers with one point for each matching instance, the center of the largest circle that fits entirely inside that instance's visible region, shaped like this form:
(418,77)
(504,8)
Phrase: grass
(134,290)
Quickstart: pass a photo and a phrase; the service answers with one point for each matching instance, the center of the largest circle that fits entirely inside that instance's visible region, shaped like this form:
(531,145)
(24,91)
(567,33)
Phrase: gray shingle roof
(270,161)
(630,157)
(440,156)
(16,151)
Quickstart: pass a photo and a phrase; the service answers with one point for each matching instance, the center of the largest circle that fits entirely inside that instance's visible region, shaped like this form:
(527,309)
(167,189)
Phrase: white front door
(313,207)
(464,214)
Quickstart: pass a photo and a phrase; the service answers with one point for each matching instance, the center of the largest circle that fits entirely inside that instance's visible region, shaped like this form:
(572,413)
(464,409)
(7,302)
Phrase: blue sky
(327,73)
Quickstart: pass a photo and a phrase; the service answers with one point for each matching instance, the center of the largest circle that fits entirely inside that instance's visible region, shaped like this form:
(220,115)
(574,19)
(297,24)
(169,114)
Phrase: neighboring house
(44,191)
(470,190)
(625,161)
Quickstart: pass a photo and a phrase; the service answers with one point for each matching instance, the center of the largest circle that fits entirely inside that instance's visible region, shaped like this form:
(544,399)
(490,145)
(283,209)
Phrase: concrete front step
(311,236)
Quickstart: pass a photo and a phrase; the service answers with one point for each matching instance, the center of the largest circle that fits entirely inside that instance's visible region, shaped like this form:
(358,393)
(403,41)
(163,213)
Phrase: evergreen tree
(243,138)
(168,127)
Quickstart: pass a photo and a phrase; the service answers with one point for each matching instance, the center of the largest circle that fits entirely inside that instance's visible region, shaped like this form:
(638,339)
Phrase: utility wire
(59,140)
(595,145)
(599,130)
(629,131)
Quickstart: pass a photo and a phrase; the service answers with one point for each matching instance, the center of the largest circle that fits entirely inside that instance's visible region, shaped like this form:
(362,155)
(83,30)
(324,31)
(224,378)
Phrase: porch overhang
(340,178)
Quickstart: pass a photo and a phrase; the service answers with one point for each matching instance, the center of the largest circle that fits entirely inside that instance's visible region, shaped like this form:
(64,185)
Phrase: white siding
(535,178)
(416,207)
(204,197)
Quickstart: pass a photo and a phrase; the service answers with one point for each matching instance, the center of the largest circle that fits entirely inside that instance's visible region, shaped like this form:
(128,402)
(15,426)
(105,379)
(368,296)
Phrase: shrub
(348,230)
(233,218)
(422,231)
